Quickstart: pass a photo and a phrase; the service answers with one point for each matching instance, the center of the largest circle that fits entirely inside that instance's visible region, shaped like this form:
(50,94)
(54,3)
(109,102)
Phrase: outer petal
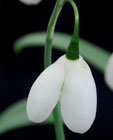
(109,73)
(30,2)
(45,92)
(78,100)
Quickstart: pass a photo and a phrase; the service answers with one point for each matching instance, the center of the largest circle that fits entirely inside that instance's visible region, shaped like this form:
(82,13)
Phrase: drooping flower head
(71,83)
(109,73)
(30,2)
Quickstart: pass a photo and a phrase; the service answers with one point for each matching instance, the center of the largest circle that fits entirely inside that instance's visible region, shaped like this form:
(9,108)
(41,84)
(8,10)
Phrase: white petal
(30,2)
(78,100)
(45,92)
(109,73)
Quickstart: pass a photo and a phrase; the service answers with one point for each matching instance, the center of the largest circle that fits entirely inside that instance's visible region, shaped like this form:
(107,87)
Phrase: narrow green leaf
(15,116)
(94,54)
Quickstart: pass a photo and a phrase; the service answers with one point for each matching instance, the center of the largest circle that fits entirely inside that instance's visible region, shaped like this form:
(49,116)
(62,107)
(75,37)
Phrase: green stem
(50,32)
(58,123)
(47,61)
(73,49)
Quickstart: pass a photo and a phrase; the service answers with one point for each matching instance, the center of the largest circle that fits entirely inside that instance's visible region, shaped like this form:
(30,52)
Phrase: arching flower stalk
(30,2)
(71,83)
(109,73)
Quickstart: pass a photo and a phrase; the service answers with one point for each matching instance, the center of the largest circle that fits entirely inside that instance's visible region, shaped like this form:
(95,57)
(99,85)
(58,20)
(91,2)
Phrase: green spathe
(73,48)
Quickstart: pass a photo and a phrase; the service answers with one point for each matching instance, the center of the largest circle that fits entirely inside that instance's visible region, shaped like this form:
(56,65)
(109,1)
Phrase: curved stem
(50,32)
(47,61)
(73,49)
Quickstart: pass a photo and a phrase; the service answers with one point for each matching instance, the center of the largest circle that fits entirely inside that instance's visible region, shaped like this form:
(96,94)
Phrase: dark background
(18,71)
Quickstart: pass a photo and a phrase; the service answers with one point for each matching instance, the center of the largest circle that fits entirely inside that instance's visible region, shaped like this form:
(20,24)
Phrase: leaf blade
(94,54)
(15,116)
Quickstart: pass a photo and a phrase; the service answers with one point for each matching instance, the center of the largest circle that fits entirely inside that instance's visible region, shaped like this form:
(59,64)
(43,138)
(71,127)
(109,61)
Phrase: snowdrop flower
(30,2)
(109,73)
(71,83)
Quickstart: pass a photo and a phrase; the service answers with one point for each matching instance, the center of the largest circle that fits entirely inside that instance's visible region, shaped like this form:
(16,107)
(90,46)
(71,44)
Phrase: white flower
(109,73)
(30,2)
(71,83)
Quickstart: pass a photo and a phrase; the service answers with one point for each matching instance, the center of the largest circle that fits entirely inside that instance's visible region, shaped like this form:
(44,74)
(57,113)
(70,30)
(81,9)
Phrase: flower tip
(30,2)
(31,116)
(34,116)
(81,129)
(109,73)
